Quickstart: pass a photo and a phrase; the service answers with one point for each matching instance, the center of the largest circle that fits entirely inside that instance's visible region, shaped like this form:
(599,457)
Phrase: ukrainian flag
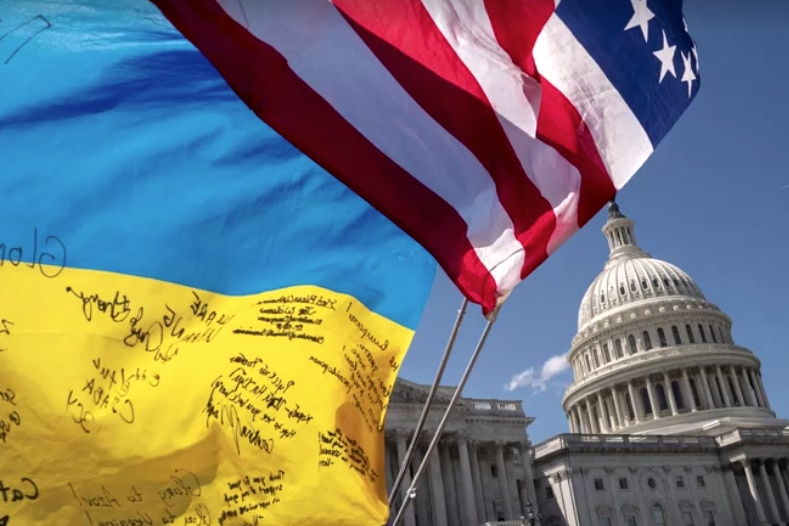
(197,324)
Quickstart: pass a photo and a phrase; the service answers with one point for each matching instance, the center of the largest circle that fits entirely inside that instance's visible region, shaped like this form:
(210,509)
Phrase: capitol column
(757,501)
(634,402)
(604,417)
(672,402)
(437,491)
(758,375)
(688,391)
(448,476)
(756,391)
(707,391)
(652,397)
(781,485)
(620,417)
(749,396)
(468,483)
(402,448)
(724,387)
(476,475)
(770,495)
(737,387)
(504,486)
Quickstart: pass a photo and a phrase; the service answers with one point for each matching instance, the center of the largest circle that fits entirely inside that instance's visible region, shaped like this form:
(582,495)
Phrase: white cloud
(553,366)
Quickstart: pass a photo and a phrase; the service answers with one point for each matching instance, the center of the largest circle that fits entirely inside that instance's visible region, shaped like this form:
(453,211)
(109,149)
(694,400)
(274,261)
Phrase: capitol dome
(653,355)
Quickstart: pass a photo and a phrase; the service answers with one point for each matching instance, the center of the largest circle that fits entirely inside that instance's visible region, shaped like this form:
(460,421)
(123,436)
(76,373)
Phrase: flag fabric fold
(198,324)
(488,130)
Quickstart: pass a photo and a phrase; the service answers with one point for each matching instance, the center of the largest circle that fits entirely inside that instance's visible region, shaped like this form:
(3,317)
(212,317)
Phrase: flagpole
(411,493)
(426,407)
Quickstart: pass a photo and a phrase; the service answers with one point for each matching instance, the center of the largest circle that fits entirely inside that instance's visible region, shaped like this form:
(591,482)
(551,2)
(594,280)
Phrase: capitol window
(623,483)
(661,394)
(691,339)
(677,338)
(618,348)
(605,521)
(709,517)
(680,482)
(631,520)
(662,337)
(658,516)
(712,335)
(631,344)
(647,341)
(702,334)
(598,484)
(687,518)
(700,481)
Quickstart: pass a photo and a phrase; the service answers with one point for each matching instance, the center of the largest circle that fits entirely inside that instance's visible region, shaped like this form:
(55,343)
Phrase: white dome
(627,280)
(652,355)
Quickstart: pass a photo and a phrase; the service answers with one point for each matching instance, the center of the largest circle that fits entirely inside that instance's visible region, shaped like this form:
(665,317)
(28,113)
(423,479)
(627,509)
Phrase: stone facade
(671,421)
(478,473)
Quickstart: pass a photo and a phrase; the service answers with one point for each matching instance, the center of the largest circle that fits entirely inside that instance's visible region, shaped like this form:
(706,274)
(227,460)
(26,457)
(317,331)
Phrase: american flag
(488,130)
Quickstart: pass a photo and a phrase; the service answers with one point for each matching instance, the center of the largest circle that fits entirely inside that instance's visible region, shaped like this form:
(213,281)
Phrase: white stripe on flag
(621,140)
(327,54)
(515,97)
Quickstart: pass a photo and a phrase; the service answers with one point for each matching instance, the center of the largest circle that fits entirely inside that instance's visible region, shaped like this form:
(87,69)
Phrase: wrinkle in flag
(198,325)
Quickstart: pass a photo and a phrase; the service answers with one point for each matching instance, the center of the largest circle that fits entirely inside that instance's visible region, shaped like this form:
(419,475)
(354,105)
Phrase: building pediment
(406,392)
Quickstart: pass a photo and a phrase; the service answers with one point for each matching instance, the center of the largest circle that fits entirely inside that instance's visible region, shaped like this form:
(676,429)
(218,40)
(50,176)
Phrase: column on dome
(586,425)
(746,384)
(757,500)
(707,391)
(652,398)
(504,486)
(755,386)
(758,375)
(723,386)
(635,402)
(781,486)
(590,415)
(579,427)
(689,391)
(602,409)
(672,402)
(769,489)
(737,387)
(620,420)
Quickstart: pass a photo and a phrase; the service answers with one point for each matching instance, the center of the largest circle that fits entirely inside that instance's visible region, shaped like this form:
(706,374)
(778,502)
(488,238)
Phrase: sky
(713,199)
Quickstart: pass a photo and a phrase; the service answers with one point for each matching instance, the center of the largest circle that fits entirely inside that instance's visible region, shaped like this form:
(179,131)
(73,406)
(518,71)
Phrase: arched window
(677,338)
(661,337)
(678,398)
(595,358)
(712,335)
(647,341)
(606,353)
(695,392)
(631,344)
(722,334)
(633,286)
(588,363)
(621,290)
(691,339)
(645,401)
(702,334)
(618,349)
(661,396)
(658,516)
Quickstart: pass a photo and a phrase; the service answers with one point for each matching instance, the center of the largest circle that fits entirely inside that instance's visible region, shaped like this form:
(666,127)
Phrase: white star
(641,17)
(687,75)
(666,58)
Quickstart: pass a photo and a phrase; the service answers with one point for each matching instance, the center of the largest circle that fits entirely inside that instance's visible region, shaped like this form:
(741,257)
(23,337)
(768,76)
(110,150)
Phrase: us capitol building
(670,424)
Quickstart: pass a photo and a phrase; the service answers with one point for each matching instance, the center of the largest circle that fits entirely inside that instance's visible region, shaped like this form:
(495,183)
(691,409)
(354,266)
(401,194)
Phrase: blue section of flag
(628,59)
(119,138)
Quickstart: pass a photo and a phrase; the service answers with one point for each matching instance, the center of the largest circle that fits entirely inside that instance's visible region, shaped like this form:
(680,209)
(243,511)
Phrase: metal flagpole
(411,493)
(426,408)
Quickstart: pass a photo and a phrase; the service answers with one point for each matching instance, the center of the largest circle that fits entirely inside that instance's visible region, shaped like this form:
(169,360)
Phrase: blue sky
(713,199)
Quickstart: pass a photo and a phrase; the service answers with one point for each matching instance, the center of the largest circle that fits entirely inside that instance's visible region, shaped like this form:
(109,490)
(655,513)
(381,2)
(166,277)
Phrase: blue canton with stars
(644,49)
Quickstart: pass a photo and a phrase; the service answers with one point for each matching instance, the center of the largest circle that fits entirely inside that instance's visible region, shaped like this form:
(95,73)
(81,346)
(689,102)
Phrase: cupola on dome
(630,274)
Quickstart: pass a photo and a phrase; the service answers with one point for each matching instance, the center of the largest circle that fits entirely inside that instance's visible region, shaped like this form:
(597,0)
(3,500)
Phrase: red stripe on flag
(561,126)
(429,69)
(261,77)
(517,25)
